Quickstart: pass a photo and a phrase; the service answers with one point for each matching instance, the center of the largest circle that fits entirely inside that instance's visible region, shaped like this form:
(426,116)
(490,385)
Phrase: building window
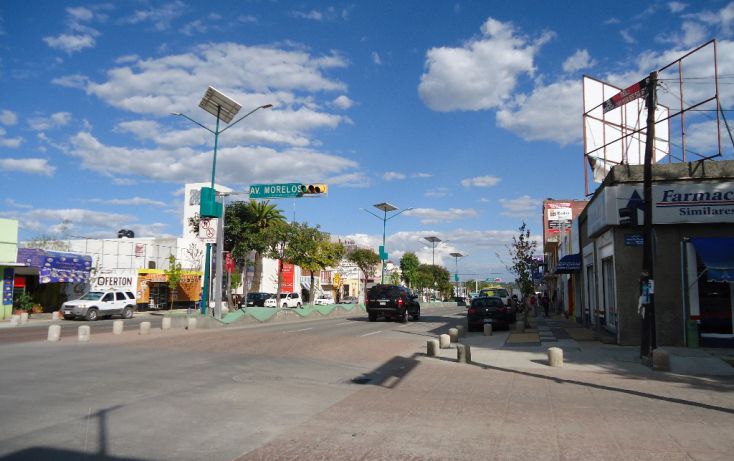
(590,307)
(151,264)
(610,304)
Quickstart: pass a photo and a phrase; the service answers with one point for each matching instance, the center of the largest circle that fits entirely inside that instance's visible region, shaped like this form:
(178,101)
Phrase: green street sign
(287,190)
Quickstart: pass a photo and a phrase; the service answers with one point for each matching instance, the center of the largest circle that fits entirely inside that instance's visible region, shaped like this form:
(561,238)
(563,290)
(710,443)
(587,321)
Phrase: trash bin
(692,333)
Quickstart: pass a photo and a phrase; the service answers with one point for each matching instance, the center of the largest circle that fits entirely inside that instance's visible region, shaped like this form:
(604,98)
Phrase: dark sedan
(488,309)
(256,299)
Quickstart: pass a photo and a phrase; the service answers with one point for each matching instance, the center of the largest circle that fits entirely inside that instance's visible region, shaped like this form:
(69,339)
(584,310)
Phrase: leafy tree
(409,267)
(174,277)
(312,250)
(435,277)
(521,251)
(280,237)
(395,277)
(46,242)
(366,259)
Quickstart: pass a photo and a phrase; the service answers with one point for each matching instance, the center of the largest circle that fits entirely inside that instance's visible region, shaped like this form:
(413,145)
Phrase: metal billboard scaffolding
(688,118)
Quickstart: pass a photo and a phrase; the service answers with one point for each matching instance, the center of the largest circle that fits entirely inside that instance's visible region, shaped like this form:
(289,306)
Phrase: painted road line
(344,323)
(373,333)
(296,331)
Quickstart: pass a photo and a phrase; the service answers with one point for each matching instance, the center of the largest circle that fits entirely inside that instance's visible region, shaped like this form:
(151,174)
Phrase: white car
(96,304)
(286,300)
(323,300)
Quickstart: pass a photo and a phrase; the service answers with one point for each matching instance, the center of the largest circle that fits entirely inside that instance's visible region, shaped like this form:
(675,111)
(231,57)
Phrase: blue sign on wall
(634,240)
(55,266)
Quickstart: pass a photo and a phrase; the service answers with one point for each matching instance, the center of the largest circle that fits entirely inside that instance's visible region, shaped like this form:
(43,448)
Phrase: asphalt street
(38,331)
(203,394)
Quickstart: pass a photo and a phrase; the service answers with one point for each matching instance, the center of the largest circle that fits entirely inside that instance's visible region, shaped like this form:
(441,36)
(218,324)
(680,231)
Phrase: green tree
(305,250)
(279,237)
(435,277)
(174,277)
(366,259)
(521,251)
(409,267)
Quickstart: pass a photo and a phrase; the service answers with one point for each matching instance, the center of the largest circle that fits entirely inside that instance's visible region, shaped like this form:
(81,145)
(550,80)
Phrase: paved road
(204,394)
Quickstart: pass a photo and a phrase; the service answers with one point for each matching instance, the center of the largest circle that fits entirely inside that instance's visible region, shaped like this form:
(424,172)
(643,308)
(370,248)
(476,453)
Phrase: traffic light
(314,189)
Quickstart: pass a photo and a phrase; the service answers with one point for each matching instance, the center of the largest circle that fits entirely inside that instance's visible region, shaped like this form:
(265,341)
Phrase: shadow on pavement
(611,389)
(389,374)
(55,454)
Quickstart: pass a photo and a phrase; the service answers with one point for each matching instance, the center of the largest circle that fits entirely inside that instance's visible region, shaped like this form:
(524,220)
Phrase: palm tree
(263,215)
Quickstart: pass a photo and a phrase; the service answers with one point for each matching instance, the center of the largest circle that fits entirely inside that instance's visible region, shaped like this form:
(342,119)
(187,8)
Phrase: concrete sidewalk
(583,351)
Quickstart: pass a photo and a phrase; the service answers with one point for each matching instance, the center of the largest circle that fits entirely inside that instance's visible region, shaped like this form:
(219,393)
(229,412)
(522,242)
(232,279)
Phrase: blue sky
(467,111)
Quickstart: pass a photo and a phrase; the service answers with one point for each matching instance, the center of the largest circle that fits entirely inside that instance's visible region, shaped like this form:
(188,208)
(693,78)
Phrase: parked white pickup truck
(96,304)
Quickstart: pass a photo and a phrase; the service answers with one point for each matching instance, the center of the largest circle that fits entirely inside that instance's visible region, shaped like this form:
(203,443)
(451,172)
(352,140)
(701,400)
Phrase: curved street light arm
(192,120)
(266,106)
(401,211)
(368,211)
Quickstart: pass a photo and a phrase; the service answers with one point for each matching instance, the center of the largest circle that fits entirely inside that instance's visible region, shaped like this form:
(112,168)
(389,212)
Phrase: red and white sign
(208,230)
(638,90)
(286,283)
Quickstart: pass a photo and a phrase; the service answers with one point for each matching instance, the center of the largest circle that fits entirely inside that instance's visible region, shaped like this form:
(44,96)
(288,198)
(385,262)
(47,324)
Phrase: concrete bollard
(145,328)
(55,315)
(660,360)
(432,347)
(14,320)
(487,329)
(117,327)
(84,334)
(463,353)
(191,323)
(454,335)
(460,329)
(555,357)
(24,318)
(444,341)
(54,333)
(166,323)
(519,326)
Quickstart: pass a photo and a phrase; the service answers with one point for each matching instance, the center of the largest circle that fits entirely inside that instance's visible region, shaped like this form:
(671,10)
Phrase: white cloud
(393,175)
(75,220)
(8,118)
(580,60)
(550,112)
(70,43)
(521,207)
(12,203)
(376,58)
(78,35)
(439,192)
(124,181)
(134,201)
(676,7)
(247,19)
(329,14)
(27,165)
(54,121)
(723,19)
(9,142)
(422,175)
(72,81)
(238,166)
(480,181)
(161,17)
(342,102)
(481,74)
(433,216)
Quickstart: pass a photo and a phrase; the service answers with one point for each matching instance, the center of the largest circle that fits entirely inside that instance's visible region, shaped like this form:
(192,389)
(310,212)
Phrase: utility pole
(649,340)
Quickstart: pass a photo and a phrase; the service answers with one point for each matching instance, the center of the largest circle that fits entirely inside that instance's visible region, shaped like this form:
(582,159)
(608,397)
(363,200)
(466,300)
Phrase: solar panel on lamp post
(225,109)
(385,208)
(434,240)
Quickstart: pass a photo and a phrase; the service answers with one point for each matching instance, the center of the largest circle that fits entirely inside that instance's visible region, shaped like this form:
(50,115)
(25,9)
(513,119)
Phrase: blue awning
(717,254)
(569,264)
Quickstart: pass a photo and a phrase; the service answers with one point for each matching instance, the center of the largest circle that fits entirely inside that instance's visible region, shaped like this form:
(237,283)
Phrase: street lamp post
(456,273)
(385,207)
(225,109)
(434,240)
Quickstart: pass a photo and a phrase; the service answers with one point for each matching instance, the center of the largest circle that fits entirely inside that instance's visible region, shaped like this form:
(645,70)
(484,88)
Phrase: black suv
(393,302)
(256,299)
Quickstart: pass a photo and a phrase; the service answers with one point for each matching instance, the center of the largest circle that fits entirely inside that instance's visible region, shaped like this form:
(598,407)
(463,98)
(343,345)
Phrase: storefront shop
(154,292)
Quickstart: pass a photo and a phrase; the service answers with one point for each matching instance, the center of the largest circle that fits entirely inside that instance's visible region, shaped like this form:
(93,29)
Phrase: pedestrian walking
(545,302)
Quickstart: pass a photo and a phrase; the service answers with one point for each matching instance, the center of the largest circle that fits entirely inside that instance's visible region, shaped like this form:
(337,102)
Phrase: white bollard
(84,334)
(460,329)
(660,360)
(454,335)
(463,353)
(191,323)
(54,333)
(487,329)
(444,341)
(555,357)
(520,326)
(145,328)
(432,347)
(166,323)
(24,318)
(55,315)
(14,320)
(117,327)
